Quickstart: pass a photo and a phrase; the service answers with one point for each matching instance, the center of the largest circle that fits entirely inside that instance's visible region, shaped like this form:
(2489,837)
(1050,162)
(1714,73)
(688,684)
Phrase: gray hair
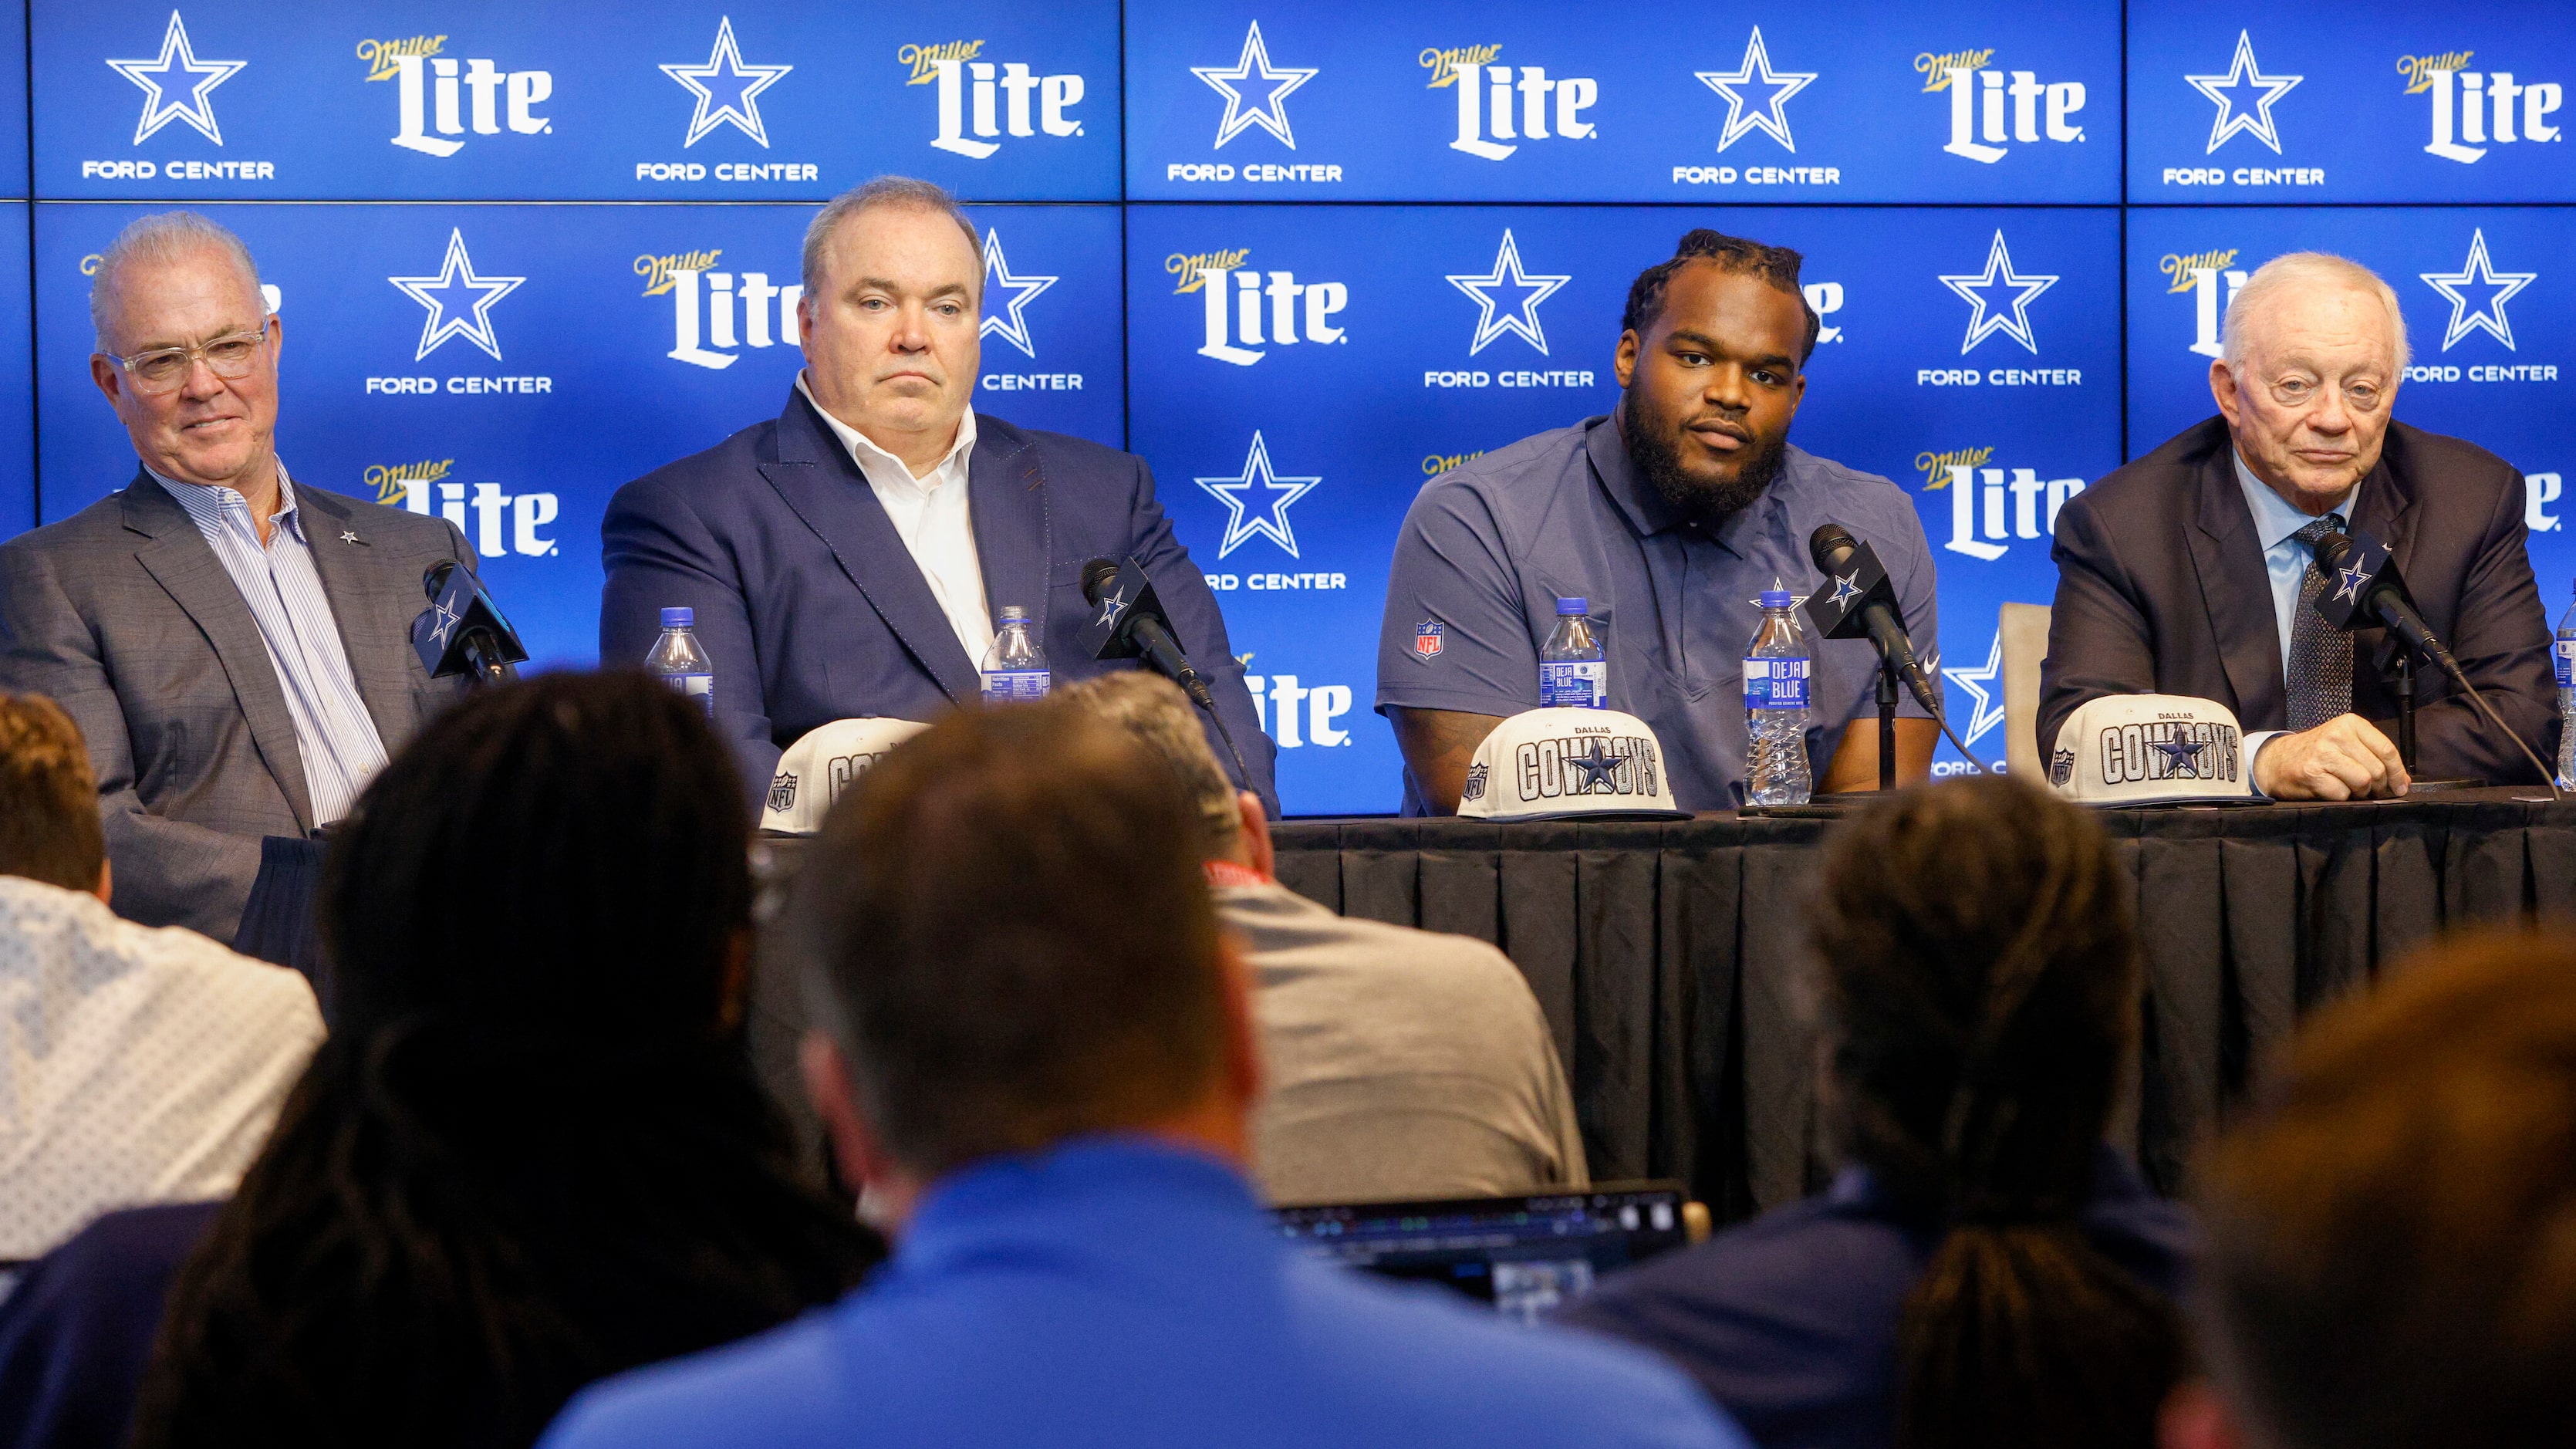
(159,240)
(869,196)
(2296,269)
(1152,710)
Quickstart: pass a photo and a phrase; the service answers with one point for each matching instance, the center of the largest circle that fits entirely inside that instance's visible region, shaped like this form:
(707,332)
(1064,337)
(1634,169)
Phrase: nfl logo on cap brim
(1569,764)
(2152,749)
(816,769)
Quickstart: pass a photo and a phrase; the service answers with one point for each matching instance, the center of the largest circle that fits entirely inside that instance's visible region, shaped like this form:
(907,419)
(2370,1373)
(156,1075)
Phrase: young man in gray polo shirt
(1401,1063)
(1669,516)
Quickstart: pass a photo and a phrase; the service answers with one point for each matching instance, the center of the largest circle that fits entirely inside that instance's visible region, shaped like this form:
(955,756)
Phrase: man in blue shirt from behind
(1038,1073)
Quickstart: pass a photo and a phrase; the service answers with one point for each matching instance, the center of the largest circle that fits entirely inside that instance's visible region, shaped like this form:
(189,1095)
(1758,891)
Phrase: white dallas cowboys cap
(2151,749)
(1567,764)
(816,769)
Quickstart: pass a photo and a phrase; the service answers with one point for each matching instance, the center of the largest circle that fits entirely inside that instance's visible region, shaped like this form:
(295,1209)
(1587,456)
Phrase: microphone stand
(2401,684)
(1887,724)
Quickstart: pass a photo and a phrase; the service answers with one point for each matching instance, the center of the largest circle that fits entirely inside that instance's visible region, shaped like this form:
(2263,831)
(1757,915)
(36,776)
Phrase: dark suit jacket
(812,610)
(124,615)
(2161,589)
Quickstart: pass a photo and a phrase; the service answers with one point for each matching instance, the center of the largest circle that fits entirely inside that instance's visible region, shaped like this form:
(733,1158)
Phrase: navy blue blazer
(812,610)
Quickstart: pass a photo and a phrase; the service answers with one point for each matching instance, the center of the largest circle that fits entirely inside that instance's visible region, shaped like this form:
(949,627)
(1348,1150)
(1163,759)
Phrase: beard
(1706,504)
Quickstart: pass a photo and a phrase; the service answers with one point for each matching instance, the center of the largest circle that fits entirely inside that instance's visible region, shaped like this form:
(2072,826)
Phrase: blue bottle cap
(1566,608)
(1775,598)
(1014,614)
(680,618)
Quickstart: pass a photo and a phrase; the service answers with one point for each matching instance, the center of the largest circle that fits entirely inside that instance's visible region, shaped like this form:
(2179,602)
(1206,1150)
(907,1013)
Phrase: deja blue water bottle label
(1006,684)
(699,687)
(1578,684)
(2564,657)
(1776,683)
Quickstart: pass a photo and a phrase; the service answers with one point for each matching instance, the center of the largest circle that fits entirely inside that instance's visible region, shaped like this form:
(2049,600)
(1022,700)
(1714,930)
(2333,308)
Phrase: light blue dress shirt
(334,734)
(1119,1293)
(2285,559)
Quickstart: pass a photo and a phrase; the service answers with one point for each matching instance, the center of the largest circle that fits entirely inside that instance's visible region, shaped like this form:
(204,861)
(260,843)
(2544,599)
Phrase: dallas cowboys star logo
(1985,690)
(1846,589)
(444,620)
(741,85)
(472,318)
(2487,314)
(348,536)
(2254,120)
(1492,321)
(1242,521)
(1743,115)
(2184,755)
(2353,579)
(1008,323)
(1599,769)
(2010,317)
(1110,606)
(1269,115)
(177,57)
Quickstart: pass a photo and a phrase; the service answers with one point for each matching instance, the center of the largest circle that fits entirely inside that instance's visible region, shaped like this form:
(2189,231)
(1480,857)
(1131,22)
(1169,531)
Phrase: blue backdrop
(525,253)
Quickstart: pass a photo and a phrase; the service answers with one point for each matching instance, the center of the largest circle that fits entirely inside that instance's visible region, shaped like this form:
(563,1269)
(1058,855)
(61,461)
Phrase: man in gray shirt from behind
(1401,1063)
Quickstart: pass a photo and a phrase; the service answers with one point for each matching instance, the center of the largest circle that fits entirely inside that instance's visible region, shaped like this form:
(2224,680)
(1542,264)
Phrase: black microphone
(1127,622)
(1861,601)
(462,631)
(2366,585)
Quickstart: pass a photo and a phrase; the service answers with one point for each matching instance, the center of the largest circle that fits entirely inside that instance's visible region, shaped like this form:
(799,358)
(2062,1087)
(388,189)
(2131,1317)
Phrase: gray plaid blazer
(123,615)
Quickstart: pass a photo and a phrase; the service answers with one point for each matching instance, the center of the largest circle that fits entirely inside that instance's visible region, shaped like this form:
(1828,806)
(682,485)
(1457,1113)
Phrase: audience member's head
(1012,944)
(1981,991)
(49,828)
(1153,711)
(530,1153)
(2391,1239)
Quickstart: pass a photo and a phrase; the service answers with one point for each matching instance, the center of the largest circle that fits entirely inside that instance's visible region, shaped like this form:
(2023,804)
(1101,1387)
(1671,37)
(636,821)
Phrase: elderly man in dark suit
(2190,571)
(234,645)
(851,557)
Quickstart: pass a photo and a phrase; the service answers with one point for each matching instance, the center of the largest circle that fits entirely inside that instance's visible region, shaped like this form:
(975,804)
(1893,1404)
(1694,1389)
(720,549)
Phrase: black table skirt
(1670,957)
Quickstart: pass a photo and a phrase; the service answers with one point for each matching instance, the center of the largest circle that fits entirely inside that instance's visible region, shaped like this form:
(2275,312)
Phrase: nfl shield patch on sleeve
(1426,638)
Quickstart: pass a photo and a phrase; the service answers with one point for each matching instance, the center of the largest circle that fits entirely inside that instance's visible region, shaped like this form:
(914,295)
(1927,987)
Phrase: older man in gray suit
(235,645)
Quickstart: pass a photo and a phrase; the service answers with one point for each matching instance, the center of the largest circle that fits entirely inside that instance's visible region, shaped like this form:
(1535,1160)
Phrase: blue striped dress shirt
(333,732)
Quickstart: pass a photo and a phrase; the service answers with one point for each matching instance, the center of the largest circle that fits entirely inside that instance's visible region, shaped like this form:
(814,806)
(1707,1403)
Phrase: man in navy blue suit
(850,558)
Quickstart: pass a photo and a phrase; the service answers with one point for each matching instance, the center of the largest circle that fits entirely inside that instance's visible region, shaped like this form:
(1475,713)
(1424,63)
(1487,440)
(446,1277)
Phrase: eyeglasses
(164,368)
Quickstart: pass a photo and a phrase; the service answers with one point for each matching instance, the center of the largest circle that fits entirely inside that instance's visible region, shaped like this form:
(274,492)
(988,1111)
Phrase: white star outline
(348,536)
(1984,685)
(1270,115)
(446,620)
(1023,289)
(2353,579)
(1241,523)
(1846,588)
(2240,73)
(2478,271)
(1492,324)
(743,111)
(457,270)
(1985,323)
(1110,606)
(176,54)
(1756,69)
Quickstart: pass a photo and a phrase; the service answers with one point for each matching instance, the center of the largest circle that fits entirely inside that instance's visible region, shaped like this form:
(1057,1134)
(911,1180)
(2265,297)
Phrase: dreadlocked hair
(532,1152)
(1982,986)
(1777,266)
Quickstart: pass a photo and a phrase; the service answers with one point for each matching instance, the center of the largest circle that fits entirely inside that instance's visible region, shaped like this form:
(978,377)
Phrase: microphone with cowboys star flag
(1861,603)
(462,631)
(1129,624)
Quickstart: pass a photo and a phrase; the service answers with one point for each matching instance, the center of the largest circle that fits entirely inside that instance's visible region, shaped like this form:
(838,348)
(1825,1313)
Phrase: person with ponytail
(531,1152)
(1985,1271)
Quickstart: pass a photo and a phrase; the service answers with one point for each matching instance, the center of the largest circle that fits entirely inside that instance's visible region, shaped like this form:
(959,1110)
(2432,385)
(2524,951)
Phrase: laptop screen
(1523,1255)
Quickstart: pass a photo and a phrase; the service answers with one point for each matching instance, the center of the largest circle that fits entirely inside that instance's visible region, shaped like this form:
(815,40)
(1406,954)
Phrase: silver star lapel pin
(347,536)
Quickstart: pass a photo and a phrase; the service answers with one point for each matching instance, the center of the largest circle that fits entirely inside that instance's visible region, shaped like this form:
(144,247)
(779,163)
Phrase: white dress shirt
(335,737)
(137,1065)
(933,519)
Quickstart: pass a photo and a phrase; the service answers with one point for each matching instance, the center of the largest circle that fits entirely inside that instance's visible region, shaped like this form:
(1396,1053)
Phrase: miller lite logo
(499,523)
(980,102)
(1980,97)
(1247,311)
(2474,109)
(2200,274)
(437,97)
(714,312)
(1992,507)
(1464,71)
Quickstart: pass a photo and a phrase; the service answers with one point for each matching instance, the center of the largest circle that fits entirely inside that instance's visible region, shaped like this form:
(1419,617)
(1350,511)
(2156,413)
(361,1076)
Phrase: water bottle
(1776,669)
(1016,666)
(677,660)
(2564,657)
(1571,669)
